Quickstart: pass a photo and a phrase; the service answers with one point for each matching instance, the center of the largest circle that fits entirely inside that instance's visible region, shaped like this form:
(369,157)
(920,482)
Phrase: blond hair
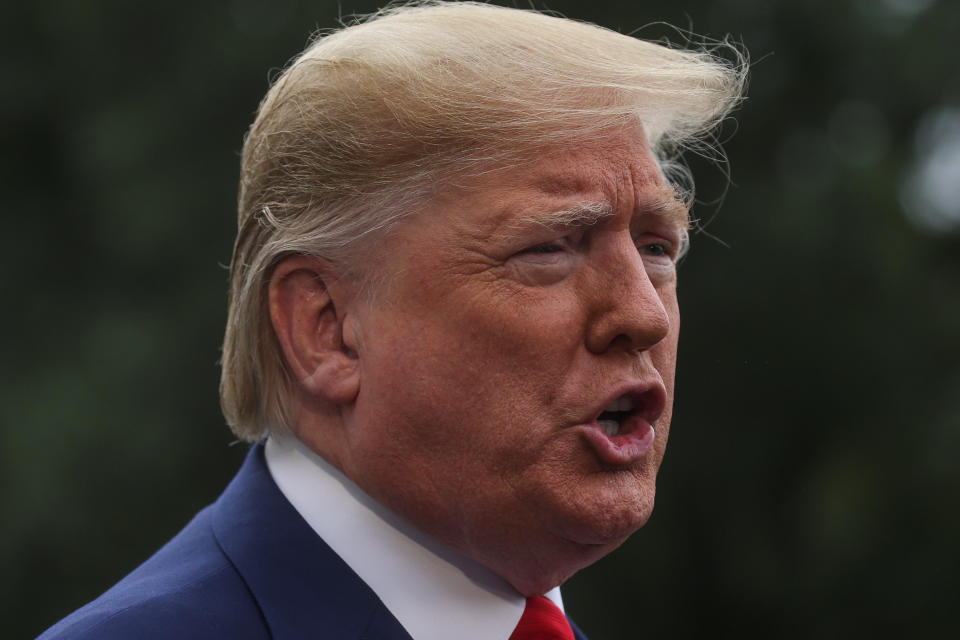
(368,119)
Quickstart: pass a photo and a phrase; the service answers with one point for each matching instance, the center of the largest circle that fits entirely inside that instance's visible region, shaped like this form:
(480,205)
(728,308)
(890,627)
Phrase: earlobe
(309,323)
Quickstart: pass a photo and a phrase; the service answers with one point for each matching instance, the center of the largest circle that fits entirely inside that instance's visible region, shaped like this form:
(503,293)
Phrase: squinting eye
(543,264)
(544,249)
(656,250)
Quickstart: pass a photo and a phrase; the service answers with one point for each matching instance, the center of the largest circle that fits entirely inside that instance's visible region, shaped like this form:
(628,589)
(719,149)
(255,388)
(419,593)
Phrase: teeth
(610,427)
(623,403)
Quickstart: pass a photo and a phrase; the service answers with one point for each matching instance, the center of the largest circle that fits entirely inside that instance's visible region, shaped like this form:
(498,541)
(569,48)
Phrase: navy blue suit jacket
(246,567)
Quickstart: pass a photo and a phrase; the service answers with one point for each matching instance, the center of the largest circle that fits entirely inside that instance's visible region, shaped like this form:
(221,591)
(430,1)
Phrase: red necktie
(542,620)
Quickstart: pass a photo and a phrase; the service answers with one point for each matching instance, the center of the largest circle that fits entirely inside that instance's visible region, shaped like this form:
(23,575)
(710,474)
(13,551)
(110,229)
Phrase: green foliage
(811,485)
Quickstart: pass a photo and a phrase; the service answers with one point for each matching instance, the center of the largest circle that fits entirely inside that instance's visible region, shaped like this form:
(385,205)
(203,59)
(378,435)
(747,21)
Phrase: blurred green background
(812,482)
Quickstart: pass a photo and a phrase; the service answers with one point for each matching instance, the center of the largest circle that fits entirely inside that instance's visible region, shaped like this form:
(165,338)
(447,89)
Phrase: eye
(545,263)
(655,249)
(551,249)
(658,243)
(658,250)
(544,249)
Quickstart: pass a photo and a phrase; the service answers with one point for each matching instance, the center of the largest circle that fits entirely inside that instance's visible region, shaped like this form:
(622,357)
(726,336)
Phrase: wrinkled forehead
(578,187)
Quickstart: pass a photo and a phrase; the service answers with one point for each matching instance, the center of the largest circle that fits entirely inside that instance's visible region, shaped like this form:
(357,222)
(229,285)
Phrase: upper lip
(649,400)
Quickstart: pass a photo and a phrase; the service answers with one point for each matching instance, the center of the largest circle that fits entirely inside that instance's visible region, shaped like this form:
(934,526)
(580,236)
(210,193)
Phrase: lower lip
(630,445)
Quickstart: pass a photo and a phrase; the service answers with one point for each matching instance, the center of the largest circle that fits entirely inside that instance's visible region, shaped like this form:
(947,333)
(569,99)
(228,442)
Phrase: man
(453,323)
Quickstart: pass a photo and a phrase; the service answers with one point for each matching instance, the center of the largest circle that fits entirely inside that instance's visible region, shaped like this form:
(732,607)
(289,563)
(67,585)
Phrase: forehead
(574,187)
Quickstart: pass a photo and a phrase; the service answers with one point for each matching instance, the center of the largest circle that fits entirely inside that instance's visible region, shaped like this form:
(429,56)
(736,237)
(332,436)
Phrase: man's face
(516,373)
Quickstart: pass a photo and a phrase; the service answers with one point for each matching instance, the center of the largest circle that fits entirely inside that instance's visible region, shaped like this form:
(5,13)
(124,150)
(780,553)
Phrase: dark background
(811,486)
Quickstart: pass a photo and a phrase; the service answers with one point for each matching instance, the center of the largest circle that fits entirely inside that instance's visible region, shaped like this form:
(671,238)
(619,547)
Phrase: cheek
(495,334)
(665,360)
(465,376)
(665,353)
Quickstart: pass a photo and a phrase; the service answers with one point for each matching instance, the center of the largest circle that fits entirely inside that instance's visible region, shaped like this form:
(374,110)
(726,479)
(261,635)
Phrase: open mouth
(623,431)
(612,419)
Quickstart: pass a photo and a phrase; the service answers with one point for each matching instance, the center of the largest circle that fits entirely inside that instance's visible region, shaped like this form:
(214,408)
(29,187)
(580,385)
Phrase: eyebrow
(667,203)
(583,214)
(664,202)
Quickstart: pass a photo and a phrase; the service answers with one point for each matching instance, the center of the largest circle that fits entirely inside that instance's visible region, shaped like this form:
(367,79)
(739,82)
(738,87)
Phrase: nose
(629,312)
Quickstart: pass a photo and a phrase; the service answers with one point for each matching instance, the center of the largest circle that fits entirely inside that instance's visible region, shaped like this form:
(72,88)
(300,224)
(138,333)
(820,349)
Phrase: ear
(308,322)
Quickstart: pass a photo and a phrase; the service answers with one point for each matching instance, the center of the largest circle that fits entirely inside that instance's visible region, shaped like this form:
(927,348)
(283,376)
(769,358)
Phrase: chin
(606,516)
(555,561)
(570,531)
(570,550)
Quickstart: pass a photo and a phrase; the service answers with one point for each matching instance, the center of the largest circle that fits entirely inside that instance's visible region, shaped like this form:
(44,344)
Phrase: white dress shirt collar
(433,591)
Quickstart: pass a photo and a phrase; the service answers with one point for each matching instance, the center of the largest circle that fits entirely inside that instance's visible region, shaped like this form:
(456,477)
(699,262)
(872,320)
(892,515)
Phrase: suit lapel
(577,634)
(303,588)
